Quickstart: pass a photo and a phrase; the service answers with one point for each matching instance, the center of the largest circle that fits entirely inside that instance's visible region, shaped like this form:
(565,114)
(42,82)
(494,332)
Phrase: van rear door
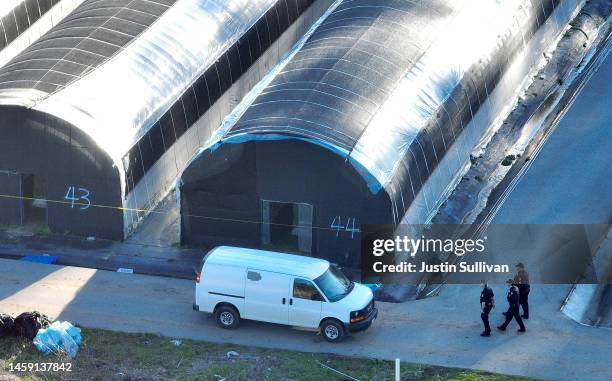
(266,296)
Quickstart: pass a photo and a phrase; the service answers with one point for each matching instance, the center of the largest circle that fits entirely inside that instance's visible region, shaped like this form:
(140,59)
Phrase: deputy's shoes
(501,328)
(485,334)
(521,330)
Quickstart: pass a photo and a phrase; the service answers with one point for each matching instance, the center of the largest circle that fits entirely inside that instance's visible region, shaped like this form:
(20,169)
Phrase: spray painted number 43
(78,197)
(349,226)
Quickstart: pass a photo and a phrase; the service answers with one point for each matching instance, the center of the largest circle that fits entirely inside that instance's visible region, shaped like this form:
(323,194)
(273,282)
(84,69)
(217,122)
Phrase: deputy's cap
(521,265)
(510,281)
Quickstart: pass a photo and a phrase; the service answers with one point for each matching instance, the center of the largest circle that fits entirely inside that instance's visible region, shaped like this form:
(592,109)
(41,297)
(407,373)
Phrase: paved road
(442,330)
(570,181)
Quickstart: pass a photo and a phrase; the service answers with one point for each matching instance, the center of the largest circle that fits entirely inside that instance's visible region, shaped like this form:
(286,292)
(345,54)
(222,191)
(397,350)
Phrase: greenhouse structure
(22,22)
(99,115)
(370,120)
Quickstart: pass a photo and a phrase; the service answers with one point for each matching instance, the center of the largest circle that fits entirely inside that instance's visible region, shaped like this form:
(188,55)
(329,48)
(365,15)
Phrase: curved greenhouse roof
(16,16)
(114,67)
(341,82)
(372,76)
(24,21)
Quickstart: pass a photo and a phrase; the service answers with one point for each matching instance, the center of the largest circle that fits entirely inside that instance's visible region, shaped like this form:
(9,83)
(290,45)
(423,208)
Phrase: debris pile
(60,336)
(47,337)
(25,325)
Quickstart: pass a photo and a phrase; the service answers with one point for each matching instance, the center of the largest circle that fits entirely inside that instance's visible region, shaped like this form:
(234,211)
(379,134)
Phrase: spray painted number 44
(351,226)
(78,197)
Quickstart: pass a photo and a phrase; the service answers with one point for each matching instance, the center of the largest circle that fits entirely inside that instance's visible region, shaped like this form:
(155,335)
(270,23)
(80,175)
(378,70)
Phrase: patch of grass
(107,355)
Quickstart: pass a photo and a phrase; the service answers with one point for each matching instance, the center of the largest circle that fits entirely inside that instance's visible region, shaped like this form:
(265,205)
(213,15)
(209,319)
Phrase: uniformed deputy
(487,303)
(521,279)
(513,308)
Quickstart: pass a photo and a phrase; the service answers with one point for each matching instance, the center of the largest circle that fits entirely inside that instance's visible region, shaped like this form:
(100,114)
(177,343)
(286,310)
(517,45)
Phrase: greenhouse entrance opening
(286,226)
(34,200)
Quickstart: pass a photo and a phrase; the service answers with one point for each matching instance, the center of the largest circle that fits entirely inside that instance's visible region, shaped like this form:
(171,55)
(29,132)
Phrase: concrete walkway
(442,330)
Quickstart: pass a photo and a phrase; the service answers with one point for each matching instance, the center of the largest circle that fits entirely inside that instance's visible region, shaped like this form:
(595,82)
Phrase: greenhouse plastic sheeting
(60,336)
(336,81)
(220,135)
(150,71)
(23,22)
(242,64)
(16,16)
(390,85)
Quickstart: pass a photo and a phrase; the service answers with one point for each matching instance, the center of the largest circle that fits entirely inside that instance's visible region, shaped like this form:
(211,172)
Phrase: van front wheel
(332,331)
(227,317)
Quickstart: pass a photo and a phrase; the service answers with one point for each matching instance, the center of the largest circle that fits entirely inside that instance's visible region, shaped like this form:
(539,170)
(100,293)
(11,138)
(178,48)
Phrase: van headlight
(357,316)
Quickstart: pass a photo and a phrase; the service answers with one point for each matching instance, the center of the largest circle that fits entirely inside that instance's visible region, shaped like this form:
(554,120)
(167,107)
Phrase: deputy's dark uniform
(486,298)
(513,309)
(521,279)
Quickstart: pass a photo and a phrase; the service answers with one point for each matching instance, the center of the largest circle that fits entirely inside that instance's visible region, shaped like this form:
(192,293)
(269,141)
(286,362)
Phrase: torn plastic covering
(376,148)
(153,71)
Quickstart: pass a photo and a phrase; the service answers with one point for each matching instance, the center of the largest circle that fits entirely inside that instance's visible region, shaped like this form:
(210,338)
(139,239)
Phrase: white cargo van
(237,283)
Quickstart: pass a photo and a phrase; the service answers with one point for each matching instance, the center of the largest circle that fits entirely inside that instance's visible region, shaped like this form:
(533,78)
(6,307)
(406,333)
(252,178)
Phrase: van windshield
(334,284)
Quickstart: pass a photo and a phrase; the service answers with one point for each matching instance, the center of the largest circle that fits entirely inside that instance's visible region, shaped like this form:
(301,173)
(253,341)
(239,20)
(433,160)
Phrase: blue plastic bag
(60,336)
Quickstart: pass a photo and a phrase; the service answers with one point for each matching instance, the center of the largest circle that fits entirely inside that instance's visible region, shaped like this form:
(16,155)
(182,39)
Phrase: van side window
(304,289)
(253,275)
